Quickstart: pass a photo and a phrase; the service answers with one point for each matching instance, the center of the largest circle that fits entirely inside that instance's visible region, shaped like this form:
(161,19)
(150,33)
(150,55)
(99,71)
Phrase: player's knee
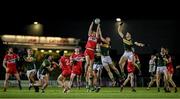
(87,63)
(132,77)
(46,82)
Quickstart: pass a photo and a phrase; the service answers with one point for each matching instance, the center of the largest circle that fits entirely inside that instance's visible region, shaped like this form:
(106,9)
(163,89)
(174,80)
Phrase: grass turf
(105,92)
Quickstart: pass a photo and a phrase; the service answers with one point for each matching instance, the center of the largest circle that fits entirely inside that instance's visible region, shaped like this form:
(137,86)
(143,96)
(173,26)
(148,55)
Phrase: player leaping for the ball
(128,47)
(89,54)
(106,59)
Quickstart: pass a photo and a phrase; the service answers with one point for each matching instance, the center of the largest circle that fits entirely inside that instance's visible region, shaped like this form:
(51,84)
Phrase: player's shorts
(11,70)
(40,75)
(106,60)
(170,69)
(77,70)
(97,67)
(130,67)
(66,73)
(89,53)
(161,69)
(129,55)
(30,71)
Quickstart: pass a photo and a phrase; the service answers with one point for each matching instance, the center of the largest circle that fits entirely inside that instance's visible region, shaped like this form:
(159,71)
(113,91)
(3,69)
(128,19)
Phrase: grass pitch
(105,92)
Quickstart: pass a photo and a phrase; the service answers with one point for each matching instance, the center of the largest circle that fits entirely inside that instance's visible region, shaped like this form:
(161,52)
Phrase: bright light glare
(118,19)
(42,51)
(57,51)
(50,51)
(35,22)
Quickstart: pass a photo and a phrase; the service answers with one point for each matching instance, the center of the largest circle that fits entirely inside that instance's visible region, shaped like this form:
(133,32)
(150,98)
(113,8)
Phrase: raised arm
(97,31)
(120,31)
(90,28)
(101,37)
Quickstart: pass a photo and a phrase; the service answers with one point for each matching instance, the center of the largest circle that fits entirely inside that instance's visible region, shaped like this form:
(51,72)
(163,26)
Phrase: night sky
(155,27)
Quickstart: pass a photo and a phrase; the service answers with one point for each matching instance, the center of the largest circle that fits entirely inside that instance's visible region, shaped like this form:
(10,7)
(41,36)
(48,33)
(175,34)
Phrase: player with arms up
(106,58)
(128,47)
(89,54)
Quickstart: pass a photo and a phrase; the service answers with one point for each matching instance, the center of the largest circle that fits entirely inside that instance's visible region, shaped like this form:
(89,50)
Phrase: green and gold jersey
(45,66)
(128,44)
(161,60)
(30,62)
(105,49)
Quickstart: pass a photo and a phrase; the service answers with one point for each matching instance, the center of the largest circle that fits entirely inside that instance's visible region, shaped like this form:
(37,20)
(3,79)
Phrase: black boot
(121,88)
(133,90)
(158,89)
(36,88)
(175,89)
(97,89)
(19,83)
(5,89)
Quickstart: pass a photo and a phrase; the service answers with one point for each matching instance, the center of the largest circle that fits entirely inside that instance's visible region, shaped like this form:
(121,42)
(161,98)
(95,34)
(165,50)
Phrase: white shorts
(40,76)
(106,60)
(129,55)
(161,69)
(97,67)
(30,71)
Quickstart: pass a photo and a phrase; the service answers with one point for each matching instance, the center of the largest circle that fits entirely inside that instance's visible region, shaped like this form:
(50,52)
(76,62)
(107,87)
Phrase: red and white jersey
(170,65)
(92,41)
(65,63)
(11,59)
(78,58)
